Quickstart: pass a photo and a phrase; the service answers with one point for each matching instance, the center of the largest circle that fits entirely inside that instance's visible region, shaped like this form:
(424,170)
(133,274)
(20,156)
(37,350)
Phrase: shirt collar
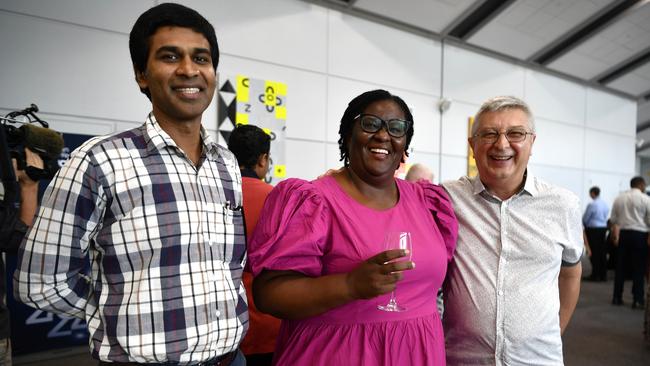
(159,139)
(529,185)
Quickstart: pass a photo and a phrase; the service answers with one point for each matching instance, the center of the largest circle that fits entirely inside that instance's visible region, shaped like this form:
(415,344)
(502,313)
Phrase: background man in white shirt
(631,214)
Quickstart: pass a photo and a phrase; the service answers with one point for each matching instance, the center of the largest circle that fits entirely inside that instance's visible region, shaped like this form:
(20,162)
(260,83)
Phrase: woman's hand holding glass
(378,275)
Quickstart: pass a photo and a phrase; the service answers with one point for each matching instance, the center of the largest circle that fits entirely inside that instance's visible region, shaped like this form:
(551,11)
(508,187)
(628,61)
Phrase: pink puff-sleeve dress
(316,229)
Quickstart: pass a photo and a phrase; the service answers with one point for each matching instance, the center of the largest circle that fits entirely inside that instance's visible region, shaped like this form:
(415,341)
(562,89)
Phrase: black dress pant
(596,237)
(632,252)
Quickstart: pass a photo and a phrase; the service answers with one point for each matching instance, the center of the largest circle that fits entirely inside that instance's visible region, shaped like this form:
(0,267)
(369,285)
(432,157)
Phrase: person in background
(14,223)
(419,171)
(631,217)
(319,260)
(141,232)
(514,281)
(251,145)
(594,221)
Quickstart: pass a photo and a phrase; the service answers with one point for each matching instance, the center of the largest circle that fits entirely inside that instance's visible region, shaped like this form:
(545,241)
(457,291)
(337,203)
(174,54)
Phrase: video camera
(44,141)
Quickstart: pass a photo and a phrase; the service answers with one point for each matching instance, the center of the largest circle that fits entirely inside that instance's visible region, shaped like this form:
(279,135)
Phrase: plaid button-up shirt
(144,245)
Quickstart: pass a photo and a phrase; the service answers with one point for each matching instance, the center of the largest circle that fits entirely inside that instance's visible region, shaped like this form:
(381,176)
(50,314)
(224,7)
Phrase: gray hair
(498,104)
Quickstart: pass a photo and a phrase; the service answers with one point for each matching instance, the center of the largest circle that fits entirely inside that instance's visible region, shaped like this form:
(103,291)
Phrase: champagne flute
(396,240)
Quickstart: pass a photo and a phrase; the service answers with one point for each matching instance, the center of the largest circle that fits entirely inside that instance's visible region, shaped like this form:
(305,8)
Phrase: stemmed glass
(397,240)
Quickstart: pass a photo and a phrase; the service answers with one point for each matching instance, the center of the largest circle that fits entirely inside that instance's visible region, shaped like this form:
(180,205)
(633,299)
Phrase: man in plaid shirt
(141,232)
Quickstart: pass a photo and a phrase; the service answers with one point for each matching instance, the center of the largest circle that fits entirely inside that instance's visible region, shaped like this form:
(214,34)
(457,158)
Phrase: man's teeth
(188,90)
(501,157)
(379,151)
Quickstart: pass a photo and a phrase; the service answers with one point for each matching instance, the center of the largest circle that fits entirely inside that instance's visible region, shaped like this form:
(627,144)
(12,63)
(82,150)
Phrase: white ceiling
(430,15)
(609,47)
(527,26)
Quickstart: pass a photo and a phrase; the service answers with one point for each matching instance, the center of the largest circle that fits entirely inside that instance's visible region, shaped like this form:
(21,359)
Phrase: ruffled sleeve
(291,231)
(439,204)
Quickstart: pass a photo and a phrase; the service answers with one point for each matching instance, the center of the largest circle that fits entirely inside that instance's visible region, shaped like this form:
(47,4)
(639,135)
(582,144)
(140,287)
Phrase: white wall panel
(473,78)
(360,49)
(291,33)
(114,15)
(339,93)
(455,122)
(426,137)
(332,156)
(554,98)
(611,113)
(558,144)
(570,179)
(305,159)
(83,126)
(306,107)
(452,168)
(423,107)
(67,69)
(606,152)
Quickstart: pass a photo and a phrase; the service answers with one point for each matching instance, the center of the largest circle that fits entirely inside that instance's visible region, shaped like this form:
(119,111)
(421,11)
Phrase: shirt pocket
(226,235)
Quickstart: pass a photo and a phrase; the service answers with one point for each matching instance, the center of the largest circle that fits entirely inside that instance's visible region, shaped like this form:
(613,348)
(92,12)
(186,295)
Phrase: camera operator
(14,223)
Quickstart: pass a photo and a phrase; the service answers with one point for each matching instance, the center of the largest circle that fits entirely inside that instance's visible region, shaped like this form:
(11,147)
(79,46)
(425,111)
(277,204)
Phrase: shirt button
(217,313)
(500,292)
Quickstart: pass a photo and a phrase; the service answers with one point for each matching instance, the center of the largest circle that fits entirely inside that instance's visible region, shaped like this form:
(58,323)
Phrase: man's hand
(31,159)
(28,187)
(614,234)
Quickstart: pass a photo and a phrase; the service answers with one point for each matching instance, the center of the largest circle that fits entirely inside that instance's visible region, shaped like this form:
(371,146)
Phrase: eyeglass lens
(512,135)
(395,127)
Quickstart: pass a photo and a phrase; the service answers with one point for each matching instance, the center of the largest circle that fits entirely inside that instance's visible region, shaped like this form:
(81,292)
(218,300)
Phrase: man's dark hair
(595,191)
(163,15)
(637,182)
(248,142)
(357,106)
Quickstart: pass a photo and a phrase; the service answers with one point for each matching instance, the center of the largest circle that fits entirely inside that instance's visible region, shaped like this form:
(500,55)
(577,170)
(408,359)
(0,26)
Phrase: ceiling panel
(635,82)
(432,15)
(528,25)
(608,48)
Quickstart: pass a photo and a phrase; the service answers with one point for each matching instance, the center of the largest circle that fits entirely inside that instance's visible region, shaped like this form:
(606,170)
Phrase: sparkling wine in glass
(397,240)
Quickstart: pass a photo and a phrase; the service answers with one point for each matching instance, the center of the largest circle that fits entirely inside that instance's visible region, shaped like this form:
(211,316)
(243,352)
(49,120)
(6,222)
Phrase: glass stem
(392,302)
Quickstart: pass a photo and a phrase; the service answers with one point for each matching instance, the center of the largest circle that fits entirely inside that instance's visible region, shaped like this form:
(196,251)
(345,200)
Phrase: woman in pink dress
(319,259)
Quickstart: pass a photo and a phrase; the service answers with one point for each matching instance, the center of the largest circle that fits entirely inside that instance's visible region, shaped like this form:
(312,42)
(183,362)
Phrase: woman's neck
(377,196)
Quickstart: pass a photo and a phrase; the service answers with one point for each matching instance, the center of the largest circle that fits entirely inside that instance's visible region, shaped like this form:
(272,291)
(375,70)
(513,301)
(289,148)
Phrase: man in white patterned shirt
(515,278)
(140,232)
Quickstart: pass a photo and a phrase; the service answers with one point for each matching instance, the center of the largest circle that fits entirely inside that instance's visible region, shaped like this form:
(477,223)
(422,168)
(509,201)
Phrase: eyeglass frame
(505,133)
(384,124)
